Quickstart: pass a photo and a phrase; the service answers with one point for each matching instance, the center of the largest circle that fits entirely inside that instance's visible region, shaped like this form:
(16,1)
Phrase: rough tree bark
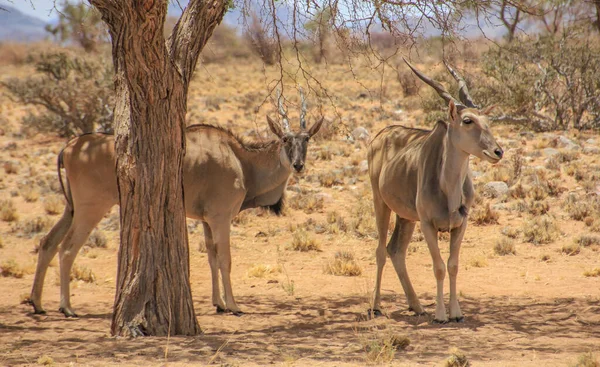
(153,295)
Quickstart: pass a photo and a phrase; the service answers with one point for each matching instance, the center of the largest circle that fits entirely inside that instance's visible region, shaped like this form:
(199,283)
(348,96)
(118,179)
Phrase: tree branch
(191,33)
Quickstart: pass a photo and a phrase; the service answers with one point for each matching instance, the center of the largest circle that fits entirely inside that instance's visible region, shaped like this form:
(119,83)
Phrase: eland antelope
(223,175)
(423,175)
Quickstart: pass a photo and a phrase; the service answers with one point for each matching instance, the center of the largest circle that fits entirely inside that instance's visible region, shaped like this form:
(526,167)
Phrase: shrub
(457,359)
(10,268)
(540,230)
(8,212)
(97,240)
(260,41)
(76,92)
(484,215)
(38,224)
(592,273)
(82,273)
(548,82)
(504,246)
(54,204)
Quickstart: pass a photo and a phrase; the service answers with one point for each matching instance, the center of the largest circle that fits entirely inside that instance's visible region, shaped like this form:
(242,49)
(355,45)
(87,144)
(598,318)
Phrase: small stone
(550,152)
(496,188)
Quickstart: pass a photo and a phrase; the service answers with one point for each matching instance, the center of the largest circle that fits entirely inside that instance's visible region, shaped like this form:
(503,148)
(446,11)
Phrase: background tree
(320,30)
(152,76)
(79,23)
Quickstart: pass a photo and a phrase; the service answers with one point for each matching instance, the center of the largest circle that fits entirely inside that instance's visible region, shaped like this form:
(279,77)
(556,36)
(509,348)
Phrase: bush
(261,42)
(75,91)
(548,82)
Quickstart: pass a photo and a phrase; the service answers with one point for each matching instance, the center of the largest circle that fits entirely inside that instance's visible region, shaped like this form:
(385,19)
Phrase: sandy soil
(532,308)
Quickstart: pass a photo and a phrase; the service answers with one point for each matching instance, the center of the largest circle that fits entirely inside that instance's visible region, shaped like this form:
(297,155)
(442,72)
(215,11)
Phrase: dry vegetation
(524,250)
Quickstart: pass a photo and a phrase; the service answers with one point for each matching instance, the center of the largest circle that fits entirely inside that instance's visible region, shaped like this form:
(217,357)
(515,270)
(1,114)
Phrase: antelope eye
(467,121)
(284,139)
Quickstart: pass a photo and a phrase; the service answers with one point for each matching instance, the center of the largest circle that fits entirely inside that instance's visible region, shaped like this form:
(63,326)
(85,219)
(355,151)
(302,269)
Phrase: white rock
(496,188)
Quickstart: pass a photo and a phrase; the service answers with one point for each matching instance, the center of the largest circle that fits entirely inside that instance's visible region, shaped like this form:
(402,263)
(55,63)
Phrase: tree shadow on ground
(330,329)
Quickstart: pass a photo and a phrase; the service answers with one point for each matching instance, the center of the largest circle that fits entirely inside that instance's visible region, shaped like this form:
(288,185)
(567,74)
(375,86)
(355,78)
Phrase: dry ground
(534,307)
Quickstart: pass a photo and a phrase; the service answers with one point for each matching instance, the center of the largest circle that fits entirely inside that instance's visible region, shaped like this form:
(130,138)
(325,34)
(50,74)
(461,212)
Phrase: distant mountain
(20,27)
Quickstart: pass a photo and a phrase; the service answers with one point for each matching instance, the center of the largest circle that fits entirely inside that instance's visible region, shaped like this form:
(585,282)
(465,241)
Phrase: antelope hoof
(220,309)
(458,319)
(36,310)
(237,313)
(436,321)
(374,313)
(67,312)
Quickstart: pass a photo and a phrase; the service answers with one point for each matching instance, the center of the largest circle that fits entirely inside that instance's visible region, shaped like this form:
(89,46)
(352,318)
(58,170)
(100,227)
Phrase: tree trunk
(153,295)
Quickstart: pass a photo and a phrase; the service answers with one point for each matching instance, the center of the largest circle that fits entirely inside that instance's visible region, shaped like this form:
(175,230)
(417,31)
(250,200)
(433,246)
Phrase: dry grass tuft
(587,360)
(53,204)
(540,230)
(571,249)
(97,240)
(336,223)
(10,268)
(82,273)
(511,232)
(588,240)
(10,168)
(343,264)
(36,225)
(308,203)
(303,243)
(382,349)
(456,359)
(504,246)
(8,212)
(45,360)
(263,271)
(484,215)
(592,273)
(478,262)
(30,193)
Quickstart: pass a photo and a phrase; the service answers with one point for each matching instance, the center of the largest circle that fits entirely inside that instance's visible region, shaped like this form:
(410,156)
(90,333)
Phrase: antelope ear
(489,109)
(275,127)
(453,112)
(316,126)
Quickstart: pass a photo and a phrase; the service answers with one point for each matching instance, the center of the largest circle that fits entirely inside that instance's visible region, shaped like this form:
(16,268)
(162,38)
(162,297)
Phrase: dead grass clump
(511,232)
(303,243)
(36,225)
(587,360)
(53,204)
(8,212)
(484,215)
(263,271)
(308,203)
(97,240)
(11,168)
(570,249)
(10,268)
(82,273)
(517,191)
(457,359)
(336,223)
(538,207)
(501,173)
(382,349)
(242,218)
(504,246)
(30,193)
(553,163)
(588,240)
(330,178)
(540,230)
(537,192)
(343,264)
(45,360)
(363,218)
(592,273)
(478,262)
(577,207)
